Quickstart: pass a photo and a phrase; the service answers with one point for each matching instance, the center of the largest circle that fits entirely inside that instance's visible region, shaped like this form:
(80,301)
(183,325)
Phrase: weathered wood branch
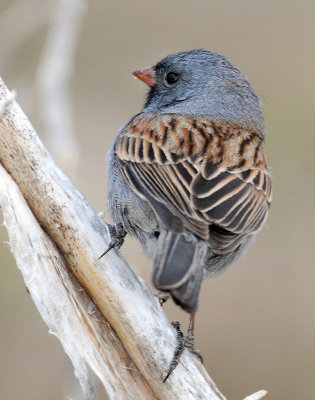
(66,308)
(129,343)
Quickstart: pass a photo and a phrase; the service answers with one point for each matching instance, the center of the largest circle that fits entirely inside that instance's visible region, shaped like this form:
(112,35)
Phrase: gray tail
(178,267)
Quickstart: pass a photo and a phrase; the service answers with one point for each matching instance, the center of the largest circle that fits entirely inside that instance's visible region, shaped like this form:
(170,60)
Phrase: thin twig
(257,395)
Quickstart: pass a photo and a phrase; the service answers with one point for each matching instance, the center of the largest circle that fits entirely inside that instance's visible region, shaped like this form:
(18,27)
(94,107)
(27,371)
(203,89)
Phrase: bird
(187,175)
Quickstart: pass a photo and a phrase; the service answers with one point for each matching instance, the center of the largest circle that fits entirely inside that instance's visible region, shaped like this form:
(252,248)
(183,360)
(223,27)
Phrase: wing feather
(198,170)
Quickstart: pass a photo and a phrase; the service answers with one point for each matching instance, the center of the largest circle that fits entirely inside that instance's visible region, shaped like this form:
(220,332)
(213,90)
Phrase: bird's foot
(117,234)
(189,343)
(162,297)
(186,340)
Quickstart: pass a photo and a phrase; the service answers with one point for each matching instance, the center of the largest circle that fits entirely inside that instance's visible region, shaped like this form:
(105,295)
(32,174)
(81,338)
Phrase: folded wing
(199,176)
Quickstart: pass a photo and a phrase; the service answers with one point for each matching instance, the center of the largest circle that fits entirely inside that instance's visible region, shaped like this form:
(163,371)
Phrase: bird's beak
(146,75)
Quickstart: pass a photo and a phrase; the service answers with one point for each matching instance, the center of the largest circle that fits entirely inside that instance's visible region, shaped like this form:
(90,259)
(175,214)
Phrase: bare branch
(64,305)
(125,302)
(6,101)
(54,73)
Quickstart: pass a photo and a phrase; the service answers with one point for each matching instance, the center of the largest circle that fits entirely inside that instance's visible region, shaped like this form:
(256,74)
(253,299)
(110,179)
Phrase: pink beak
(146,75)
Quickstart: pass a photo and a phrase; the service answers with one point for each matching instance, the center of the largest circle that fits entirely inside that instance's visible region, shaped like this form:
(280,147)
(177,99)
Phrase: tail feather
(178,267)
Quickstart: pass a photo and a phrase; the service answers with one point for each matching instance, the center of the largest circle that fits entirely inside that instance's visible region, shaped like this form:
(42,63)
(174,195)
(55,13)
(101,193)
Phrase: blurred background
(256,323)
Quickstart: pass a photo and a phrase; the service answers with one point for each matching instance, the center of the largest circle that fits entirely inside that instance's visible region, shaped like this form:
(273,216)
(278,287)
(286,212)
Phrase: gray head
(201,82)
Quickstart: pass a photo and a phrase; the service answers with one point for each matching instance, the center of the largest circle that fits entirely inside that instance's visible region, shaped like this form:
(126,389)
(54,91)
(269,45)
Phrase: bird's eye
(171,78)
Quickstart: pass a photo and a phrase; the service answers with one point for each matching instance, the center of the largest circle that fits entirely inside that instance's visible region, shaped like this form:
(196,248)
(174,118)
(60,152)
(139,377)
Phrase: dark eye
(171,78)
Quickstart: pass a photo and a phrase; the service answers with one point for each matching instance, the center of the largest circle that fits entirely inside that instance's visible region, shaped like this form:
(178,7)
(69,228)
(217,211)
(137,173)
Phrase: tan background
(256,323)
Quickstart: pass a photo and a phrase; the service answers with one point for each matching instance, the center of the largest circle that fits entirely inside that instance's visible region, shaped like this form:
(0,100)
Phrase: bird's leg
(189,338)
(117,234)
(162,297)
(183,341)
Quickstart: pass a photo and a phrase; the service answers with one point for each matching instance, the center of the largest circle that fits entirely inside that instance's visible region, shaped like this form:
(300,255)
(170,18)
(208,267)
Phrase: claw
(112,244)
(178,350)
